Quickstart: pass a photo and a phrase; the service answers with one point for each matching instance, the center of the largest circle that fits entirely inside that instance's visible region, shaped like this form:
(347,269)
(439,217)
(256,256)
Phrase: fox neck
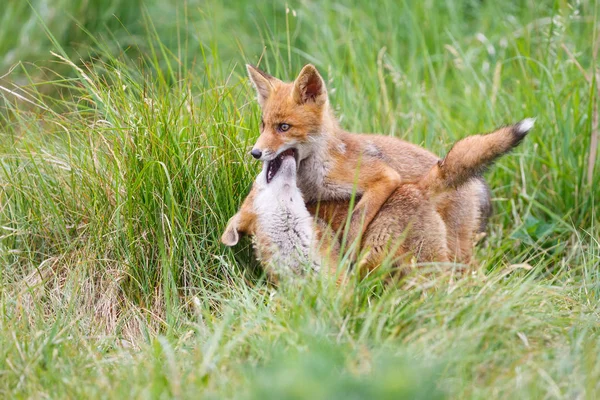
(318,157)
(285,236)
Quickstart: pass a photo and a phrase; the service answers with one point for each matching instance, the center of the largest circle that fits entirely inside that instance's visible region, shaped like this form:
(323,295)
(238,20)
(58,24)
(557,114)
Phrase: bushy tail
(469,157)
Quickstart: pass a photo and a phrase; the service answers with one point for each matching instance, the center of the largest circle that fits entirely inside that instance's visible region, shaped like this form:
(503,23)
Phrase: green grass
(123,152)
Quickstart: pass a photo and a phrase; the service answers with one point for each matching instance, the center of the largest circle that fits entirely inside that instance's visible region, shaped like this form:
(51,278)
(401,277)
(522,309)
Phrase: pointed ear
(231,236)
(263,83)
(309,86)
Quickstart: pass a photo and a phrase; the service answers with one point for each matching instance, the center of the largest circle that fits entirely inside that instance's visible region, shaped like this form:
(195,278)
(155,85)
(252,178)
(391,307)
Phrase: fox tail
(471,156)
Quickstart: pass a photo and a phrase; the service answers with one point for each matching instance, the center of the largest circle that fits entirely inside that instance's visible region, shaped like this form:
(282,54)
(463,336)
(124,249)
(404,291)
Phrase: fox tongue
(275,164)
(273,167)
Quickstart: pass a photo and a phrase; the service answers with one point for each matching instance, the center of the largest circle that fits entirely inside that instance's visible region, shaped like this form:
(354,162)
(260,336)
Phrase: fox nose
(256,153)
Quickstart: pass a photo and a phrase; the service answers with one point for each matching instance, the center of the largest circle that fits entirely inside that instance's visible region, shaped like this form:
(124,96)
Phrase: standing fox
(332,163)
(288,238)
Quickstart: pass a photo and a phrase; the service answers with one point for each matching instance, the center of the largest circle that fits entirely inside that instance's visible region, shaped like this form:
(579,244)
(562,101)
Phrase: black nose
(256,153)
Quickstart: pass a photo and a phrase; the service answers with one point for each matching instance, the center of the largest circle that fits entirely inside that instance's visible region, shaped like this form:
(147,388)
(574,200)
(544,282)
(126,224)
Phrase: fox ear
(231,236)
(309,86)
(263,83)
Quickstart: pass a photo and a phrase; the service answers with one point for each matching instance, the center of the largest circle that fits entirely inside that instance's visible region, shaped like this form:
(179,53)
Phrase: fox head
(275,185)
(292,113)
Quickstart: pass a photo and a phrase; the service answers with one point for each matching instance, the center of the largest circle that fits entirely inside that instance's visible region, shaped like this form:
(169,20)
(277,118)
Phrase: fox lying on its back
(287,237)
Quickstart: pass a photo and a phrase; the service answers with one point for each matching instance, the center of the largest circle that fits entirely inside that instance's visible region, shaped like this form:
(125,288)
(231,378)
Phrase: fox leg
(377,182)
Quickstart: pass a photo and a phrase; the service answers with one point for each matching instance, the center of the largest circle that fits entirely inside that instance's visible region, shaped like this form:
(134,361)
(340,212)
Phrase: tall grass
(124,152)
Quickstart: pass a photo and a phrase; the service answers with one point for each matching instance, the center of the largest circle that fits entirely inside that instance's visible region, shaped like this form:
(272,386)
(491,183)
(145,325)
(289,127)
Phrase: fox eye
(262,125)
(283,127)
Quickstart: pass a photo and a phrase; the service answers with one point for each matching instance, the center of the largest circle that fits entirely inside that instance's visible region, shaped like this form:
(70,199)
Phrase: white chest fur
(286,226)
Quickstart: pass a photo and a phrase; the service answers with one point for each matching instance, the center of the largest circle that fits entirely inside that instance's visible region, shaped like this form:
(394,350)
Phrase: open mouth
(275,164)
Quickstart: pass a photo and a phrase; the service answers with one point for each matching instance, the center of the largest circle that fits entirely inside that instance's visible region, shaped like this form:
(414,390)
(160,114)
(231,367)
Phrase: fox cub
(332,163)
(289,236)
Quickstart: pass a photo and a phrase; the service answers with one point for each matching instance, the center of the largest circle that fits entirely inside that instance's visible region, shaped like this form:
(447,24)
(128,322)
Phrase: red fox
(288,236)
(332,163)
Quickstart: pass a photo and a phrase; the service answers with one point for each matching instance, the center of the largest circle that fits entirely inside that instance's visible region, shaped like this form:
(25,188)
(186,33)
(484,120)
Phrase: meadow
(125,128)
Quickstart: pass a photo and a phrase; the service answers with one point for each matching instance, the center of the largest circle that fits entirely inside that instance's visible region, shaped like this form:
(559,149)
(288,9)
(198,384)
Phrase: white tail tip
(525,126)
